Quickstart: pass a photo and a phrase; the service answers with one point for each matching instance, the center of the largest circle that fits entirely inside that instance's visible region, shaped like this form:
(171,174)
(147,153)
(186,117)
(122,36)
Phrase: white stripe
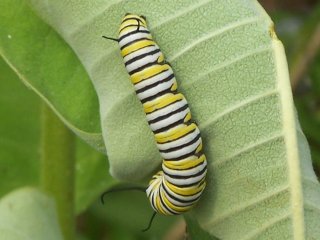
(187,181)
(143,61)
(155,90)
(169,120)
(181,152)
(179,141)
(134,36)
(166,110)
(153,79)
(185,173)
(139,52)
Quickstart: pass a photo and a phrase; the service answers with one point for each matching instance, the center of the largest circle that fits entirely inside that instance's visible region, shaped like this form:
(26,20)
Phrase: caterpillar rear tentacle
(142,189)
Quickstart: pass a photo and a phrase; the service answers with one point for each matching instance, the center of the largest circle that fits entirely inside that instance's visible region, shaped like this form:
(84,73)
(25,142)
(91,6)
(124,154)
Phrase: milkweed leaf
(232,69)
(28,214)
(48,66)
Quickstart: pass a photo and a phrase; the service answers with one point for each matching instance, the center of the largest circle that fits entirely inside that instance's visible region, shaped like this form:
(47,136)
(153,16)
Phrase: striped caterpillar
(178,186)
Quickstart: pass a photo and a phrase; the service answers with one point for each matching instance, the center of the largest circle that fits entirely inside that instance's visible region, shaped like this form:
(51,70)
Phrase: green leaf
(28,214)
(194,231)
(47,65)
(19,145)
(92,176)
(232,69)
(19,133)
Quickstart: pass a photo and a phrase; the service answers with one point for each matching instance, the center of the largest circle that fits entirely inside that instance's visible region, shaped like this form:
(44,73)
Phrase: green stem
(58,167)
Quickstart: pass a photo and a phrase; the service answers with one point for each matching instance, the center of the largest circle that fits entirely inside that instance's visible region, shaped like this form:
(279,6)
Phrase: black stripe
(155,84)
(189,195)
(183,156)
(200,163)
(184,107)
(152,76)
(178,137)
(142,56)
(187,176)
(197,184)
(134,41)
(131,18)
(191,201)
(168,90)
(181,146)
(165,206)
(149,64)
(168,127)
(133,32)
(130,25)
(138,50)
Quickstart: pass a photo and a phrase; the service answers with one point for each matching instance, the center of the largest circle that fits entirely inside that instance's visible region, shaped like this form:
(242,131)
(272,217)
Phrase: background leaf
(19,150)
(55,74)
(16,210)
(19,133)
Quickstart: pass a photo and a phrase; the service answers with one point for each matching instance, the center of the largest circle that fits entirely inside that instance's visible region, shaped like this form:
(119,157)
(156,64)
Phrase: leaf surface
(47,65)
(28,214)
(19,145)
(232,69)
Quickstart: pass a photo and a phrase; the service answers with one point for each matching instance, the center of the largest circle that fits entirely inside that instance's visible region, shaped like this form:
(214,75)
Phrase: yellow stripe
(172,206)
(188,117)
(134,16)
(148,72)
(187,163)
(199,148)
(161,102)
(185,191)
(174,86)
(170,132)
(172,135)
(135,46)
(126,23)
(160,58)
(159,207)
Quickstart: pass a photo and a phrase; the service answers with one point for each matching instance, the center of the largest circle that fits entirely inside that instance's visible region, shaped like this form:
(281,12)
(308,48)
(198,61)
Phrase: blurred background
(297,24)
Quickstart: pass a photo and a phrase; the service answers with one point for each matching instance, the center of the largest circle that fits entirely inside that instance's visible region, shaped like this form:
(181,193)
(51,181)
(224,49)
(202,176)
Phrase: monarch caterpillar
(178,186)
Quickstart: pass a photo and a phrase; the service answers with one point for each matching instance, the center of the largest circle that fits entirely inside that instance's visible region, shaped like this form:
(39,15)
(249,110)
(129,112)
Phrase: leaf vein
(246,205)
(237,106)
(246,149)
(102,11)
(271,222)
(230,62)
(213,34)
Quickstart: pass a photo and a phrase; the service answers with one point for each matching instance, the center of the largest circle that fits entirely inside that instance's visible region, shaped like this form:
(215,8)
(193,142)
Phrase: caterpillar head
(132,23)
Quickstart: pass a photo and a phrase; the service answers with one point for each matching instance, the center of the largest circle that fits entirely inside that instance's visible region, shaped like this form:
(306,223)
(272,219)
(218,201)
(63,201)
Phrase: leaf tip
(272,32)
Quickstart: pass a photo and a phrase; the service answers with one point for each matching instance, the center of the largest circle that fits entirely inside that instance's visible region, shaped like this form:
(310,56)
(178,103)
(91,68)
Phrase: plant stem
(58,168)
